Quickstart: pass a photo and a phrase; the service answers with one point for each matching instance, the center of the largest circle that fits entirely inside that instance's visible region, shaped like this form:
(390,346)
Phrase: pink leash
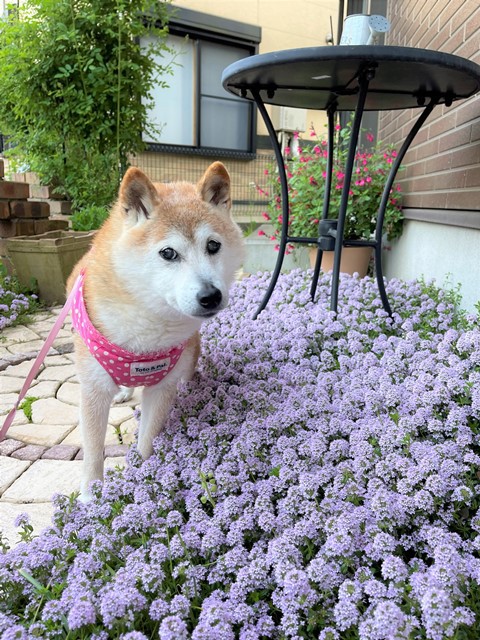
(41,357)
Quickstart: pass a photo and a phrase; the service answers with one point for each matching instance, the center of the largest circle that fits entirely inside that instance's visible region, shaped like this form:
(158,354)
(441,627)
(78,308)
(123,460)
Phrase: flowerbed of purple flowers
(318,479)
(16,302)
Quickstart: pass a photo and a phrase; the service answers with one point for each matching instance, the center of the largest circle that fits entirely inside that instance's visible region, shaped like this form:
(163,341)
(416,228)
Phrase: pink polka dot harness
(125,368)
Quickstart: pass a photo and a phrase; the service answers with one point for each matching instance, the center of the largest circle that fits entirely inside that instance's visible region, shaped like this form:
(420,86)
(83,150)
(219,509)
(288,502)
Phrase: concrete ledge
(262,256)
(450,217)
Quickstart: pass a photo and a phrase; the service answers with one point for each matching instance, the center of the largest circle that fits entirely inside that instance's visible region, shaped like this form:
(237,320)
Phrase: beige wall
(286,24)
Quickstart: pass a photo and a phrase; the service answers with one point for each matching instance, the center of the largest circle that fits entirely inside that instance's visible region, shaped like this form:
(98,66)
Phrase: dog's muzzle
(209,299)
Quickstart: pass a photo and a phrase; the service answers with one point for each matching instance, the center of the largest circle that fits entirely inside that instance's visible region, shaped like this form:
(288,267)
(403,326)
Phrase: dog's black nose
(209,297)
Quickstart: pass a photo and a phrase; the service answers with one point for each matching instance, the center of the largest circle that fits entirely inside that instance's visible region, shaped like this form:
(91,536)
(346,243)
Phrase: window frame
(209,28)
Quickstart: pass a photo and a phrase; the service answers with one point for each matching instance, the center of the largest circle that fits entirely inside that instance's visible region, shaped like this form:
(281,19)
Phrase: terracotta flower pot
(353,260)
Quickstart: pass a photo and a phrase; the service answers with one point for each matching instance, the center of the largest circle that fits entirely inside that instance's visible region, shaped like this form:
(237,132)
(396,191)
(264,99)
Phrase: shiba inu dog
(160,266)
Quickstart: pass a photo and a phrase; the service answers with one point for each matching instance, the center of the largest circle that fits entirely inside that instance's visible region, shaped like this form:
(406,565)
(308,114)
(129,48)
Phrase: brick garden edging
(21,451)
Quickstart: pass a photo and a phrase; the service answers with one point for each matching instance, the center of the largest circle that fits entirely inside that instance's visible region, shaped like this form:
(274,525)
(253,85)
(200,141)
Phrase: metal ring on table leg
(385,196)
(326,197)
(284,196)
(364,79)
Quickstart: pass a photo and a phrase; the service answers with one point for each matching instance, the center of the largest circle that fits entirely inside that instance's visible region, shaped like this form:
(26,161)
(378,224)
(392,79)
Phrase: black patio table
(348,78)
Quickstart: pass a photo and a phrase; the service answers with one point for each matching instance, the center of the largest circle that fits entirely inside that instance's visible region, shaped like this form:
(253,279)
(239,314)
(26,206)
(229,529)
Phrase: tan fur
(143,303)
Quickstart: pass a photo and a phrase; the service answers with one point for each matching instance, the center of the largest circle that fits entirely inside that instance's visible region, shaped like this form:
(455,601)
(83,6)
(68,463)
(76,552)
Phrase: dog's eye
(213,246)
(169,254)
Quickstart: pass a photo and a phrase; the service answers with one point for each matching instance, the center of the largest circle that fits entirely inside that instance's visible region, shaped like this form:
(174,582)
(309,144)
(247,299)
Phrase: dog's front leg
(156,403)
(94,408)
(157,400)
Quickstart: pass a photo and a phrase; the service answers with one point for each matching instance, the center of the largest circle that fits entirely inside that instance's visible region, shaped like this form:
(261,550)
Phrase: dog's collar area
(124,367)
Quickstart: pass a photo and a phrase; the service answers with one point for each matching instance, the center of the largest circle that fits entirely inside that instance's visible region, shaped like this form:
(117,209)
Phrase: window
(195,111)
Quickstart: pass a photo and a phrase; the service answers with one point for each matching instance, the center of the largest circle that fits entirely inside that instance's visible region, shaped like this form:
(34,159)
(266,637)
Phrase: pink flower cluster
(306,174)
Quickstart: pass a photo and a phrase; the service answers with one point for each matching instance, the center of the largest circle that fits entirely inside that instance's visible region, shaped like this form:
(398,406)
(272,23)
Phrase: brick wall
(442,168)
(24,211)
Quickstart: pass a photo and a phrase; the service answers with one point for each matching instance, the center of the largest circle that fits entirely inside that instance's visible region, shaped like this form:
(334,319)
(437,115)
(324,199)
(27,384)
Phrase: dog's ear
(138,197)
(214,186)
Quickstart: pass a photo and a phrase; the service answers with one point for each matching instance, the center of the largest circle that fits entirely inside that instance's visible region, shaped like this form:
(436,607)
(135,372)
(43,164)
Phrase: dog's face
(178,244)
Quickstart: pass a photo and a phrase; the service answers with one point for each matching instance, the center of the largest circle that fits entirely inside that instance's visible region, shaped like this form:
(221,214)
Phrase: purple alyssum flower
(14,303)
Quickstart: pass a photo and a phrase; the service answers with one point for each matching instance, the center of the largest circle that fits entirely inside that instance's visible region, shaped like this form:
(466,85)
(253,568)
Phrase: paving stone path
(42,452)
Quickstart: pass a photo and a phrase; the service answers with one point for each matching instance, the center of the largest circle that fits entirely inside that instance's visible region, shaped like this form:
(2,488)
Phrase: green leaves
(26,407)
(64,71)
(306,173)
(209,485)
(75,87)
(89,218)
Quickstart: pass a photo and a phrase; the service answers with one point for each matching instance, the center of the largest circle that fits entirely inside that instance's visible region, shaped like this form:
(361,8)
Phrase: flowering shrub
(306,173)
(316,480)
(16,303)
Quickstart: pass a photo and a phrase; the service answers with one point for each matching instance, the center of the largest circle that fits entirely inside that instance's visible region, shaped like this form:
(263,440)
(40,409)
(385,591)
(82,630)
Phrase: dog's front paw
(124,395)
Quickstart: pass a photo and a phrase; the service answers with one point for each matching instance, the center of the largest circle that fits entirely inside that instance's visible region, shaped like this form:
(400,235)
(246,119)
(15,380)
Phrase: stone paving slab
(19,419)
(58,373)
(11,385)
(114,452)
(128,430)
(44,327)
(7,401)
(42,324)
(46,389)
(43,479)
(56,361)
(19,333)
(40,518)
(30,452)
(43,434)
(21,369)
(111,437)
(53,411)
(9,445)
(112,463)
(62,452)
(119,415)
(10,469)
(64,346)
(69,392)
(23,347)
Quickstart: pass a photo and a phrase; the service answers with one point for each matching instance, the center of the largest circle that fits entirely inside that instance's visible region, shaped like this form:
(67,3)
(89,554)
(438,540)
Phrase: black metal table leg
(385,196)
(284,196)
(326,199)
(364,78)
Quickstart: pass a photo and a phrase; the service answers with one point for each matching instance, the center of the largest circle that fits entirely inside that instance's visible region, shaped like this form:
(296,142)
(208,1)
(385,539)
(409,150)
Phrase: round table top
(317,77)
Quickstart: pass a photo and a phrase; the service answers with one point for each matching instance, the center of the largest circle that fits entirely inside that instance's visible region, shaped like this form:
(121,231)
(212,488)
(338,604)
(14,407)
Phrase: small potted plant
(306,173)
